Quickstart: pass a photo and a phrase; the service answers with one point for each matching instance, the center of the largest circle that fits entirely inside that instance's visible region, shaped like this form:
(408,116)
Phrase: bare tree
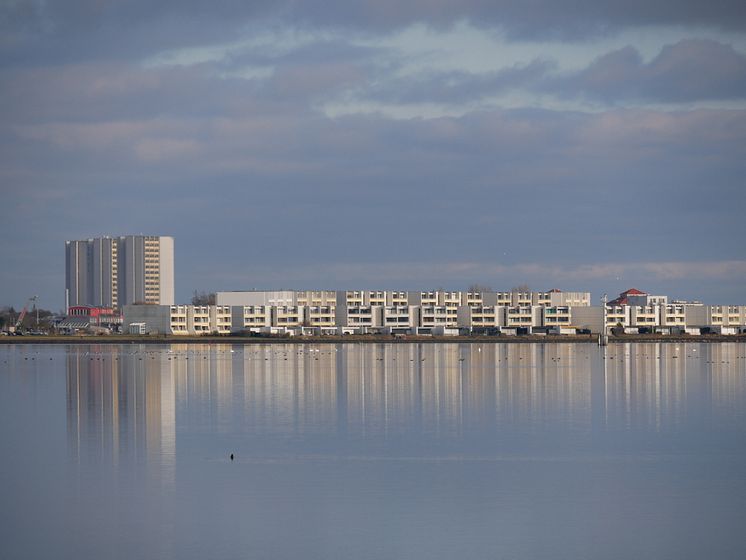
(521,288)
(203,298)
(478,288)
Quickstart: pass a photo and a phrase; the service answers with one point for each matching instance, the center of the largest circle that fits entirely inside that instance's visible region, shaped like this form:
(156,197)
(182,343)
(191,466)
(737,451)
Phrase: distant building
(116,271)
(83,317)
(634,296)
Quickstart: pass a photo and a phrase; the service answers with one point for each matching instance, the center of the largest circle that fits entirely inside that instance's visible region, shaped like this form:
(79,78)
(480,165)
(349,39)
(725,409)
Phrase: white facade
(257,298)
(481,318)
(557,316)
(438,312)
(360,319)
(400,318)
(523,316)
(252,318)
(392,298)
(436,316)
(146,269)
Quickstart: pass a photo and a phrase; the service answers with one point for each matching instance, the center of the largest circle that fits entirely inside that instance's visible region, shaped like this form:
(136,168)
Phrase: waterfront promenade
(362,339)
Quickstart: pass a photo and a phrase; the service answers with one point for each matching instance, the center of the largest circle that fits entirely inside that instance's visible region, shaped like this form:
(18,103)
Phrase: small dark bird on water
(231,456)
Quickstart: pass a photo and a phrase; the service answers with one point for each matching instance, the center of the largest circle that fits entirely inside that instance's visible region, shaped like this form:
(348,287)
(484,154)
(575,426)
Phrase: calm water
(373,451)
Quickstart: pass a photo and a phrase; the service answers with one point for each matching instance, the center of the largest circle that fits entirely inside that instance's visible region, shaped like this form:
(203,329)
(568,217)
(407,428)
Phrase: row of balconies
(258,317)
(225,319)
(433,297)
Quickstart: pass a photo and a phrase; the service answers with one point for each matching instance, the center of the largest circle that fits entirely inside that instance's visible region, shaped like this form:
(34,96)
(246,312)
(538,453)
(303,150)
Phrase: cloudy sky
(579,144)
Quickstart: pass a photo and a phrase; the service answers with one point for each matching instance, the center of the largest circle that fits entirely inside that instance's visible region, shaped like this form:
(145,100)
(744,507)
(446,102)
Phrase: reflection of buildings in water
(377,389)
(92,404)
(725,367)
(657,386)
(123,401)
(288,388)
(203,383)
(539,385)
(120,406)
(373,390)
(644,385)
(448,388)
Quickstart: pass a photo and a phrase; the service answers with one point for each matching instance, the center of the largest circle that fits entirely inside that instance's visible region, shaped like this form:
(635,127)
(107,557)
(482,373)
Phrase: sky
(585,145)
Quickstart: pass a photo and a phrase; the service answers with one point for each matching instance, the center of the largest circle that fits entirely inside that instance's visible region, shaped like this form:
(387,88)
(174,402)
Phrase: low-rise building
(322,317)
(400,319)
(178,320)
(523,316)
(436,316)
(288,316)
(434,312)
(481,319)
(361,319)
(557,316)
(200,319)
(251,318)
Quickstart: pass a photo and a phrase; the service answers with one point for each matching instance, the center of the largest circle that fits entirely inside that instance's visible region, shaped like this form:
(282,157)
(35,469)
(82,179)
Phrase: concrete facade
(146,269)
(118,271)
(437,312)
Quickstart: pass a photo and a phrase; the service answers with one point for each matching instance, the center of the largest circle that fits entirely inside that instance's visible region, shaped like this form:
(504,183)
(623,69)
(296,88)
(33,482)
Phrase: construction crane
(22,315)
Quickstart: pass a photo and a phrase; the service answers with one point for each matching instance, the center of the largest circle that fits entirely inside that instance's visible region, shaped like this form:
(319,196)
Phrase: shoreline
(361,339)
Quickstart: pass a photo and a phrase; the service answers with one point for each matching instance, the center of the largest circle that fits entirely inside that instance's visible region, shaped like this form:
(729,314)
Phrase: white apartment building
(318,298)
(481,318)
(222,318)
(400,319)
(359,319)
(717,318)
(178,319)
(644,316)
(269,298)
(437,316)
(435,312)
(322,317)
(288,316)
(672,317)
(557,316)
(357,298)
(433,319)
(253,318)
(200,319)
(117,271)
(523,316)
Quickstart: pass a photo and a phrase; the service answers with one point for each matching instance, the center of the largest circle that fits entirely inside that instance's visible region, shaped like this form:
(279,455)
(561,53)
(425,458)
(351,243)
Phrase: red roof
(633,292)
(622,299)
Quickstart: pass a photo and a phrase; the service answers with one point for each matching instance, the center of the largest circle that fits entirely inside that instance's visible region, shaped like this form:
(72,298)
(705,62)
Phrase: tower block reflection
(123,402)
(120,405)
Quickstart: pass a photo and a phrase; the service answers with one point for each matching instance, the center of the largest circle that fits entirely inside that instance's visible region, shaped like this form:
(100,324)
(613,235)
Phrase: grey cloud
(67,29)
(690,70)
(564,19)
(246,171)
(70,31)
(456,86)
(483,171)
(91,92)
(251,189)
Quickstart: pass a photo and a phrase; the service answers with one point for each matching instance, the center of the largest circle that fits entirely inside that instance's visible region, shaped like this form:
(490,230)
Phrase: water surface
(373,451)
